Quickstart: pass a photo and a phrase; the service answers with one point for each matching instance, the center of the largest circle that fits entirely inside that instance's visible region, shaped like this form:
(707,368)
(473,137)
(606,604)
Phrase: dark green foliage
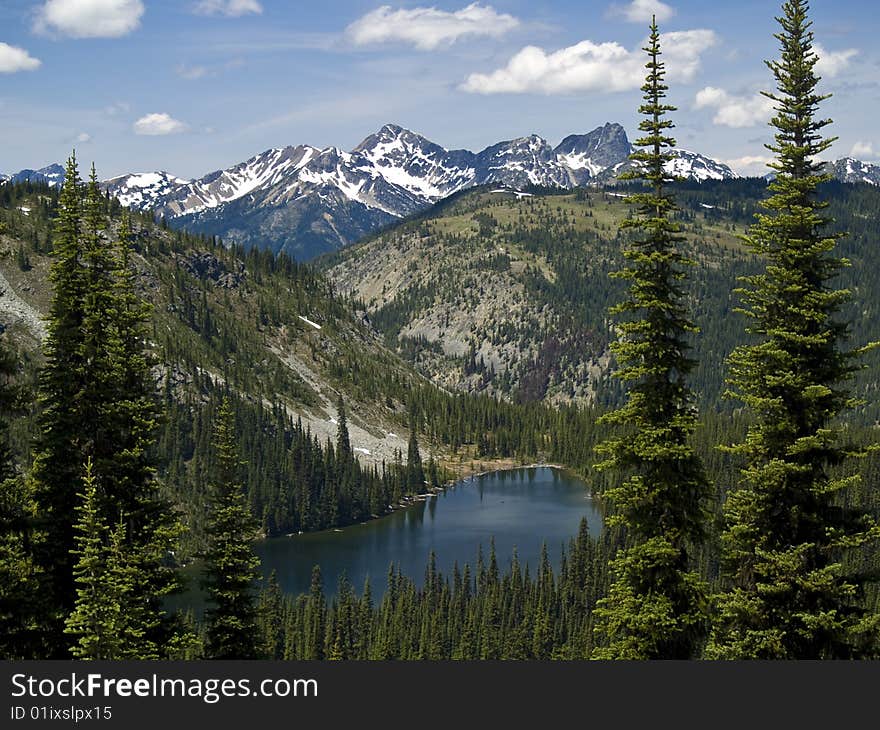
(488,613)
(656,606)
(19,577)
(98,405)
(415,474)
(272,619)
(314,622)
(59,455)
(230,568)
(223,322)
(107,621)
(793,533)
(20,607)
(20,635)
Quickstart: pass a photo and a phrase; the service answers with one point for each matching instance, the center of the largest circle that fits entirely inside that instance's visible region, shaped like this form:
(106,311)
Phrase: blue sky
(190,86)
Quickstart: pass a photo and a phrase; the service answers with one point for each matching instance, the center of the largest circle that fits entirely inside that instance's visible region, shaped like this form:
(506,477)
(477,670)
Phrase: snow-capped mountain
(306,201)
(53,175)
(853,171)
(145,190)
(692,166)
(522,162)
(417,165)
(590,155)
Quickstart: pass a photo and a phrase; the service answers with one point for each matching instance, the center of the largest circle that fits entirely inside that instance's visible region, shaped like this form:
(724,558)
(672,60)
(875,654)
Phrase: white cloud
(831,63)
(83,138)
(14,59)
(735,111)
(191,73)
(158,124)
(589,66)
(428,28)
(229,8)
(750,165)
(90,18)
(861,150)
(641,11)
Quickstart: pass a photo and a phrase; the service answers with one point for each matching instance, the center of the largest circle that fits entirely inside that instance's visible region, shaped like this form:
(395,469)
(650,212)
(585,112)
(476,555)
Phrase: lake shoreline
(416,499)
(539,507)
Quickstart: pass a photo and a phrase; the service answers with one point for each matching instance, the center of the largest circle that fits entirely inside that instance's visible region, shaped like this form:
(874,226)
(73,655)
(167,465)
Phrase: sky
(192,86)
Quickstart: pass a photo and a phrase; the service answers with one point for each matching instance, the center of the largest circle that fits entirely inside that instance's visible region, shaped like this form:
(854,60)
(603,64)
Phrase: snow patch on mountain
(697,167)
(53,175)
(850,170)
(143,190)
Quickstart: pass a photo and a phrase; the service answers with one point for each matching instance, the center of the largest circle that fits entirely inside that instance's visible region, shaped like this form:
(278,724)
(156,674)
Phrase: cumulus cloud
(90,18)
(860,150)
(229,8)
(429,28)
(589,66)
(14,59)
(831,63)
(641,11)
(750,165)
(83,138)
(158,124)
(735,111)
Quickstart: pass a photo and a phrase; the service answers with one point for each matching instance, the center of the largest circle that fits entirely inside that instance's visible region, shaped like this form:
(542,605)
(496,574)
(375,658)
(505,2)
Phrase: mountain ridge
(308,201)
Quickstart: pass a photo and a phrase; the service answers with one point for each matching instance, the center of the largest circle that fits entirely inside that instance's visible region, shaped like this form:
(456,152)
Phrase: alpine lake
(520,509)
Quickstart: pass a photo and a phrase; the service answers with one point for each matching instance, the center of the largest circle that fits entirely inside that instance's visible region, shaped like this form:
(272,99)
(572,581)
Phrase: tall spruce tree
(56,472)
(343,442)
(415,472)
(98,403)
(151,528)
(791,591)
(315,618)
(92,622)
(106,621)
(230,571)
(656,605)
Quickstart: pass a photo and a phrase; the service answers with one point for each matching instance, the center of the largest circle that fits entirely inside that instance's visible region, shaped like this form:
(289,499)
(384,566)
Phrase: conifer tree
(271,612)
(20,594)
(230,570)
(316,618)
(151,527)
(19,577)
(343,443)
(11,404)
(415,473)
(58,458)
(791,591)
(98,403)
(94,621)
(655,607)
(111,618)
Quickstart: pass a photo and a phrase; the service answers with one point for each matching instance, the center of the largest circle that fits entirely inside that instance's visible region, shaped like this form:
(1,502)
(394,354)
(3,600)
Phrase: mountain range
(307,201)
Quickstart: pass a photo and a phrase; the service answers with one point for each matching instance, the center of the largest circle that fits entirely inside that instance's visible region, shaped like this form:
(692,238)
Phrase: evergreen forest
(702,355)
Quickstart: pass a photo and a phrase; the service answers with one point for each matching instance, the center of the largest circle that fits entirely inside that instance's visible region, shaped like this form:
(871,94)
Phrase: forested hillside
(507,293)
(296,363)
